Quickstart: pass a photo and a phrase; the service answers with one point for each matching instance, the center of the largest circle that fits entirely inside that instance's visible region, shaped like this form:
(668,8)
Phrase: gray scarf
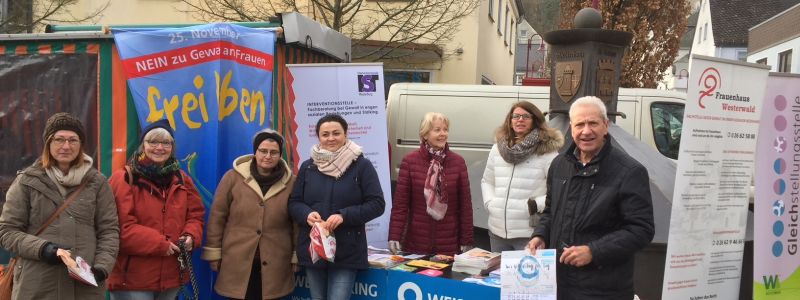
(521,150)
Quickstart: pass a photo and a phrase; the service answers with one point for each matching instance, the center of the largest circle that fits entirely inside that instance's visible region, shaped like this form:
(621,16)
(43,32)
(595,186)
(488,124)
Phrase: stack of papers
(476,261)
(78,268)
(384,261)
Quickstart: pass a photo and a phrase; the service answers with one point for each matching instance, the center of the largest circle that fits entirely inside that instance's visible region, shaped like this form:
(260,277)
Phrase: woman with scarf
(87,227)
(432,206)
(514,182)
(159,208)
(338,188)
(250,235)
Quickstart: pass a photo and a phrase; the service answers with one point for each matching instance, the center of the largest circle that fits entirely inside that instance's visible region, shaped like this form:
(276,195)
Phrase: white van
(476,111)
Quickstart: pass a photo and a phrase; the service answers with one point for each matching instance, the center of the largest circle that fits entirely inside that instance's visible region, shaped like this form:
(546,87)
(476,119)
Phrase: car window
(667,124)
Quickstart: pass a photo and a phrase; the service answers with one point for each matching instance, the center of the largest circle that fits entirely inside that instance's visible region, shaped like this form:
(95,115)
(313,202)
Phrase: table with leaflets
(377,283)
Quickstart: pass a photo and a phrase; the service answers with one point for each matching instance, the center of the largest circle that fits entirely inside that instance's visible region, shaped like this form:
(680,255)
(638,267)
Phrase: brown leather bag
(7,273)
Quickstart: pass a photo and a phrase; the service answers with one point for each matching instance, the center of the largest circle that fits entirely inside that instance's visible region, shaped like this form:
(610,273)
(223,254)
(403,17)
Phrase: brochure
(78,268)
(528,277)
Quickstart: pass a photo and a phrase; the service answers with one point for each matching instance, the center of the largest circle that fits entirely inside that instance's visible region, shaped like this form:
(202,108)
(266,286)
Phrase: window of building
(491,10)
(785,61)
(499,16)
(511,35)
(397,76)
(705,32)
(741,55)
(523,33)
(762,61)
(505,22)
(667,125)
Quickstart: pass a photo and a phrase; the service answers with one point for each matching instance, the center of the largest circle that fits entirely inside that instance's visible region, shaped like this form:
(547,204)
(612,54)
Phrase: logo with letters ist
(367,83)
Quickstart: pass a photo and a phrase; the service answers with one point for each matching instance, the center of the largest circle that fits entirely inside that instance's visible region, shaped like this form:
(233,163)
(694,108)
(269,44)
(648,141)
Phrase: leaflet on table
(528,277)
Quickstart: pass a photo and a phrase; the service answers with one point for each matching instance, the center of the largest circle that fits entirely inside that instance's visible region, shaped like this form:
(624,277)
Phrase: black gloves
(48,253)
(99,275)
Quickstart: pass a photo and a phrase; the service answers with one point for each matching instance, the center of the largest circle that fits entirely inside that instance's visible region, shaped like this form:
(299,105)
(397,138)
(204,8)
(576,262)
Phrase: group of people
(593,200)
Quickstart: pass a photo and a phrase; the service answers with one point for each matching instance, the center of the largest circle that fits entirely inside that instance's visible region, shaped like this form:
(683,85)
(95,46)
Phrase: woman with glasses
(87,227)
(432,205)
(159,210)
(514,181)
(250,235)
(339,188)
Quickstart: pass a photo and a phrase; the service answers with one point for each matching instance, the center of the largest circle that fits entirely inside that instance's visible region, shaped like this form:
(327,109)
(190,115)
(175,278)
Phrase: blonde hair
(426,125)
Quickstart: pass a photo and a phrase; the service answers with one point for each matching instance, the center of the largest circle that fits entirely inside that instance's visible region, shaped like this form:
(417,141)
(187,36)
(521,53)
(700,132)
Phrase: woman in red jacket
(432,206)
(159,207)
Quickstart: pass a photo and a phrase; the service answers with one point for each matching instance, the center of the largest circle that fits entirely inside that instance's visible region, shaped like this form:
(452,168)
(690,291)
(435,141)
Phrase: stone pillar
(586,62)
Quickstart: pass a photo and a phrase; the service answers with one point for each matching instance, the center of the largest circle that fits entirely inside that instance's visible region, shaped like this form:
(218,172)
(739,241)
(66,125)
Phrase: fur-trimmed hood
(550,140)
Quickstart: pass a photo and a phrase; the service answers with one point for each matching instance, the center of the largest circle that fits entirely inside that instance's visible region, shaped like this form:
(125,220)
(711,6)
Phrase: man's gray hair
(589,100)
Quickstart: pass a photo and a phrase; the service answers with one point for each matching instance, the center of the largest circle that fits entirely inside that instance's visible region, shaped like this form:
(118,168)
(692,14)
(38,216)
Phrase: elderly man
(599,211)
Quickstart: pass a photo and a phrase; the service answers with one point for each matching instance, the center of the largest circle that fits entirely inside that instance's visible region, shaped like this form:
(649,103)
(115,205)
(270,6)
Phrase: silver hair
(587,101)
(158,134)
(426,125)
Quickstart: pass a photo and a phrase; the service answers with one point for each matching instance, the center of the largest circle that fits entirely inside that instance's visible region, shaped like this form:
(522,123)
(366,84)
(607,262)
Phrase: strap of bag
(71,198)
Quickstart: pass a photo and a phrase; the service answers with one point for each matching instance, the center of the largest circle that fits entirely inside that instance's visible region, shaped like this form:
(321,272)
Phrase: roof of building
(731,19)
(688,37)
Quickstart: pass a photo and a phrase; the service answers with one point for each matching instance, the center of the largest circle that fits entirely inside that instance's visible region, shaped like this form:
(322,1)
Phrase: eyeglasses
(273,153)
(59,141)
(165,144)
(521,116)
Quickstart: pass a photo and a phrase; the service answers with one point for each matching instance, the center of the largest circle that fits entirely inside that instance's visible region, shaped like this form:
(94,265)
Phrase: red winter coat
(410,224)
(147,222)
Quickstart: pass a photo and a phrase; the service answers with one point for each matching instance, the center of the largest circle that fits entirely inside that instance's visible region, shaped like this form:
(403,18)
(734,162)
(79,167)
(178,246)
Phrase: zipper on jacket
(505,208)
(125,271)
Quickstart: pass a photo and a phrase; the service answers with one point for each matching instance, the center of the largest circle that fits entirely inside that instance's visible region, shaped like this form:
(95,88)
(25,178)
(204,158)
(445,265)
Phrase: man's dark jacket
(605,205)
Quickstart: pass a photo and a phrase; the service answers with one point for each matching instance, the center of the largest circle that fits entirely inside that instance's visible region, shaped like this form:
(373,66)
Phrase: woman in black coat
(339,188)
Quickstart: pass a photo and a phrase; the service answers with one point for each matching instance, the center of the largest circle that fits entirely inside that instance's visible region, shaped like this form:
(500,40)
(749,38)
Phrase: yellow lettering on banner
(170,106)
(255,101)
(243,104)
(249,102)
(155,114)
(223,92)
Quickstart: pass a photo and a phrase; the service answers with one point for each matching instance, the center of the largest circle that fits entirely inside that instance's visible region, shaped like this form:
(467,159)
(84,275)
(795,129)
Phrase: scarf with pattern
(161,174)
(434,190)
(520,151)
(334,163)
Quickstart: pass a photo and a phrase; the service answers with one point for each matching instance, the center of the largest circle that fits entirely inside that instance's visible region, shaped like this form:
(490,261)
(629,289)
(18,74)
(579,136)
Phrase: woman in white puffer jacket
(516,171)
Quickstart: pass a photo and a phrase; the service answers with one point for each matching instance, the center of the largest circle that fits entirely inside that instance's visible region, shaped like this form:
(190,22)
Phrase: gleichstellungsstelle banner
(712,182)
(213,83)
(776,262)
(354,91)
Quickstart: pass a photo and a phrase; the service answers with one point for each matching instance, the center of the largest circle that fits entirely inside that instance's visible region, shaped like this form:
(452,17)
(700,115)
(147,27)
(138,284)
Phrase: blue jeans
(331,283)
(168,294)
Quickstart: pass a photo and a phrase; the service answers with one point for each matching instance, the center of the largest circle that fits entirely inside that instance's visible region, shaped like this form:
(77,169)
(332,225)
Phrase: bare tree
(384,25)
(657,27)
(20,16)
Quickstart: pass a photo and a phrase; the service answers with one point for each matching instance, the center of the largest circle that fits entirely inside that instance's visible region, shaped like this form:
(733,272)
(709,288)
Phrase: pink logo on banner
(711,80)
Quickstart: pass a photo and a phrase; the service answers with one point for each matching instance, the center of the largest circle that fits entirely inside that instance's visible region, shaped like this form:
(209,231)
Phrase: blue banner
(214,84)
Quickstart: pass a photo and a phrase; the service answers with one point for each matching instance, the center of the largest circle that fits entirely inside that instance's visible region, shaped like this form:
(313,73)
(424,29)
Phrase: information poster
(355,92)
(528,277)
(715,164)
(776,263)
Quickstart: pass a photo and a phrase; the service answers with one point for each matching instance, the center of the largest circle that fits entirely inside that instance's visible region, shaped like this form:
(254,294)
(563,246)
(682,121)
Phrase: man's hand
(312,218)
(578,256)
(536,243)
(334,221)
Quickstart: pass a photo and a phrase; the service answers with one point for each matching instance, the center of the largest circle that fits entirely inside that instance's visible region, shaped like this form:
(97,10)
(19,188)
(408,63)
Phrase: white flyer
(528,277)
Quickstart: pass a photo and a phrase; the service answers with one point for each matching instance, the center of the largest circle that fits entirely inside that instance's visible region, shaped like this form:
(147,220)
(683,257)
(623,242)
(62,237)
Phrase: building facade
(776,42)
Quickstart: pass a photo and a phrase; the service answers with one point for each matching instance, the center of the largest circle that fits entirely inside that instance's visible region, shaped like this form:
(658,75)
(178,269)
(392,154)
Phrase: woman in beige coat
(249,232)
(88,227)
